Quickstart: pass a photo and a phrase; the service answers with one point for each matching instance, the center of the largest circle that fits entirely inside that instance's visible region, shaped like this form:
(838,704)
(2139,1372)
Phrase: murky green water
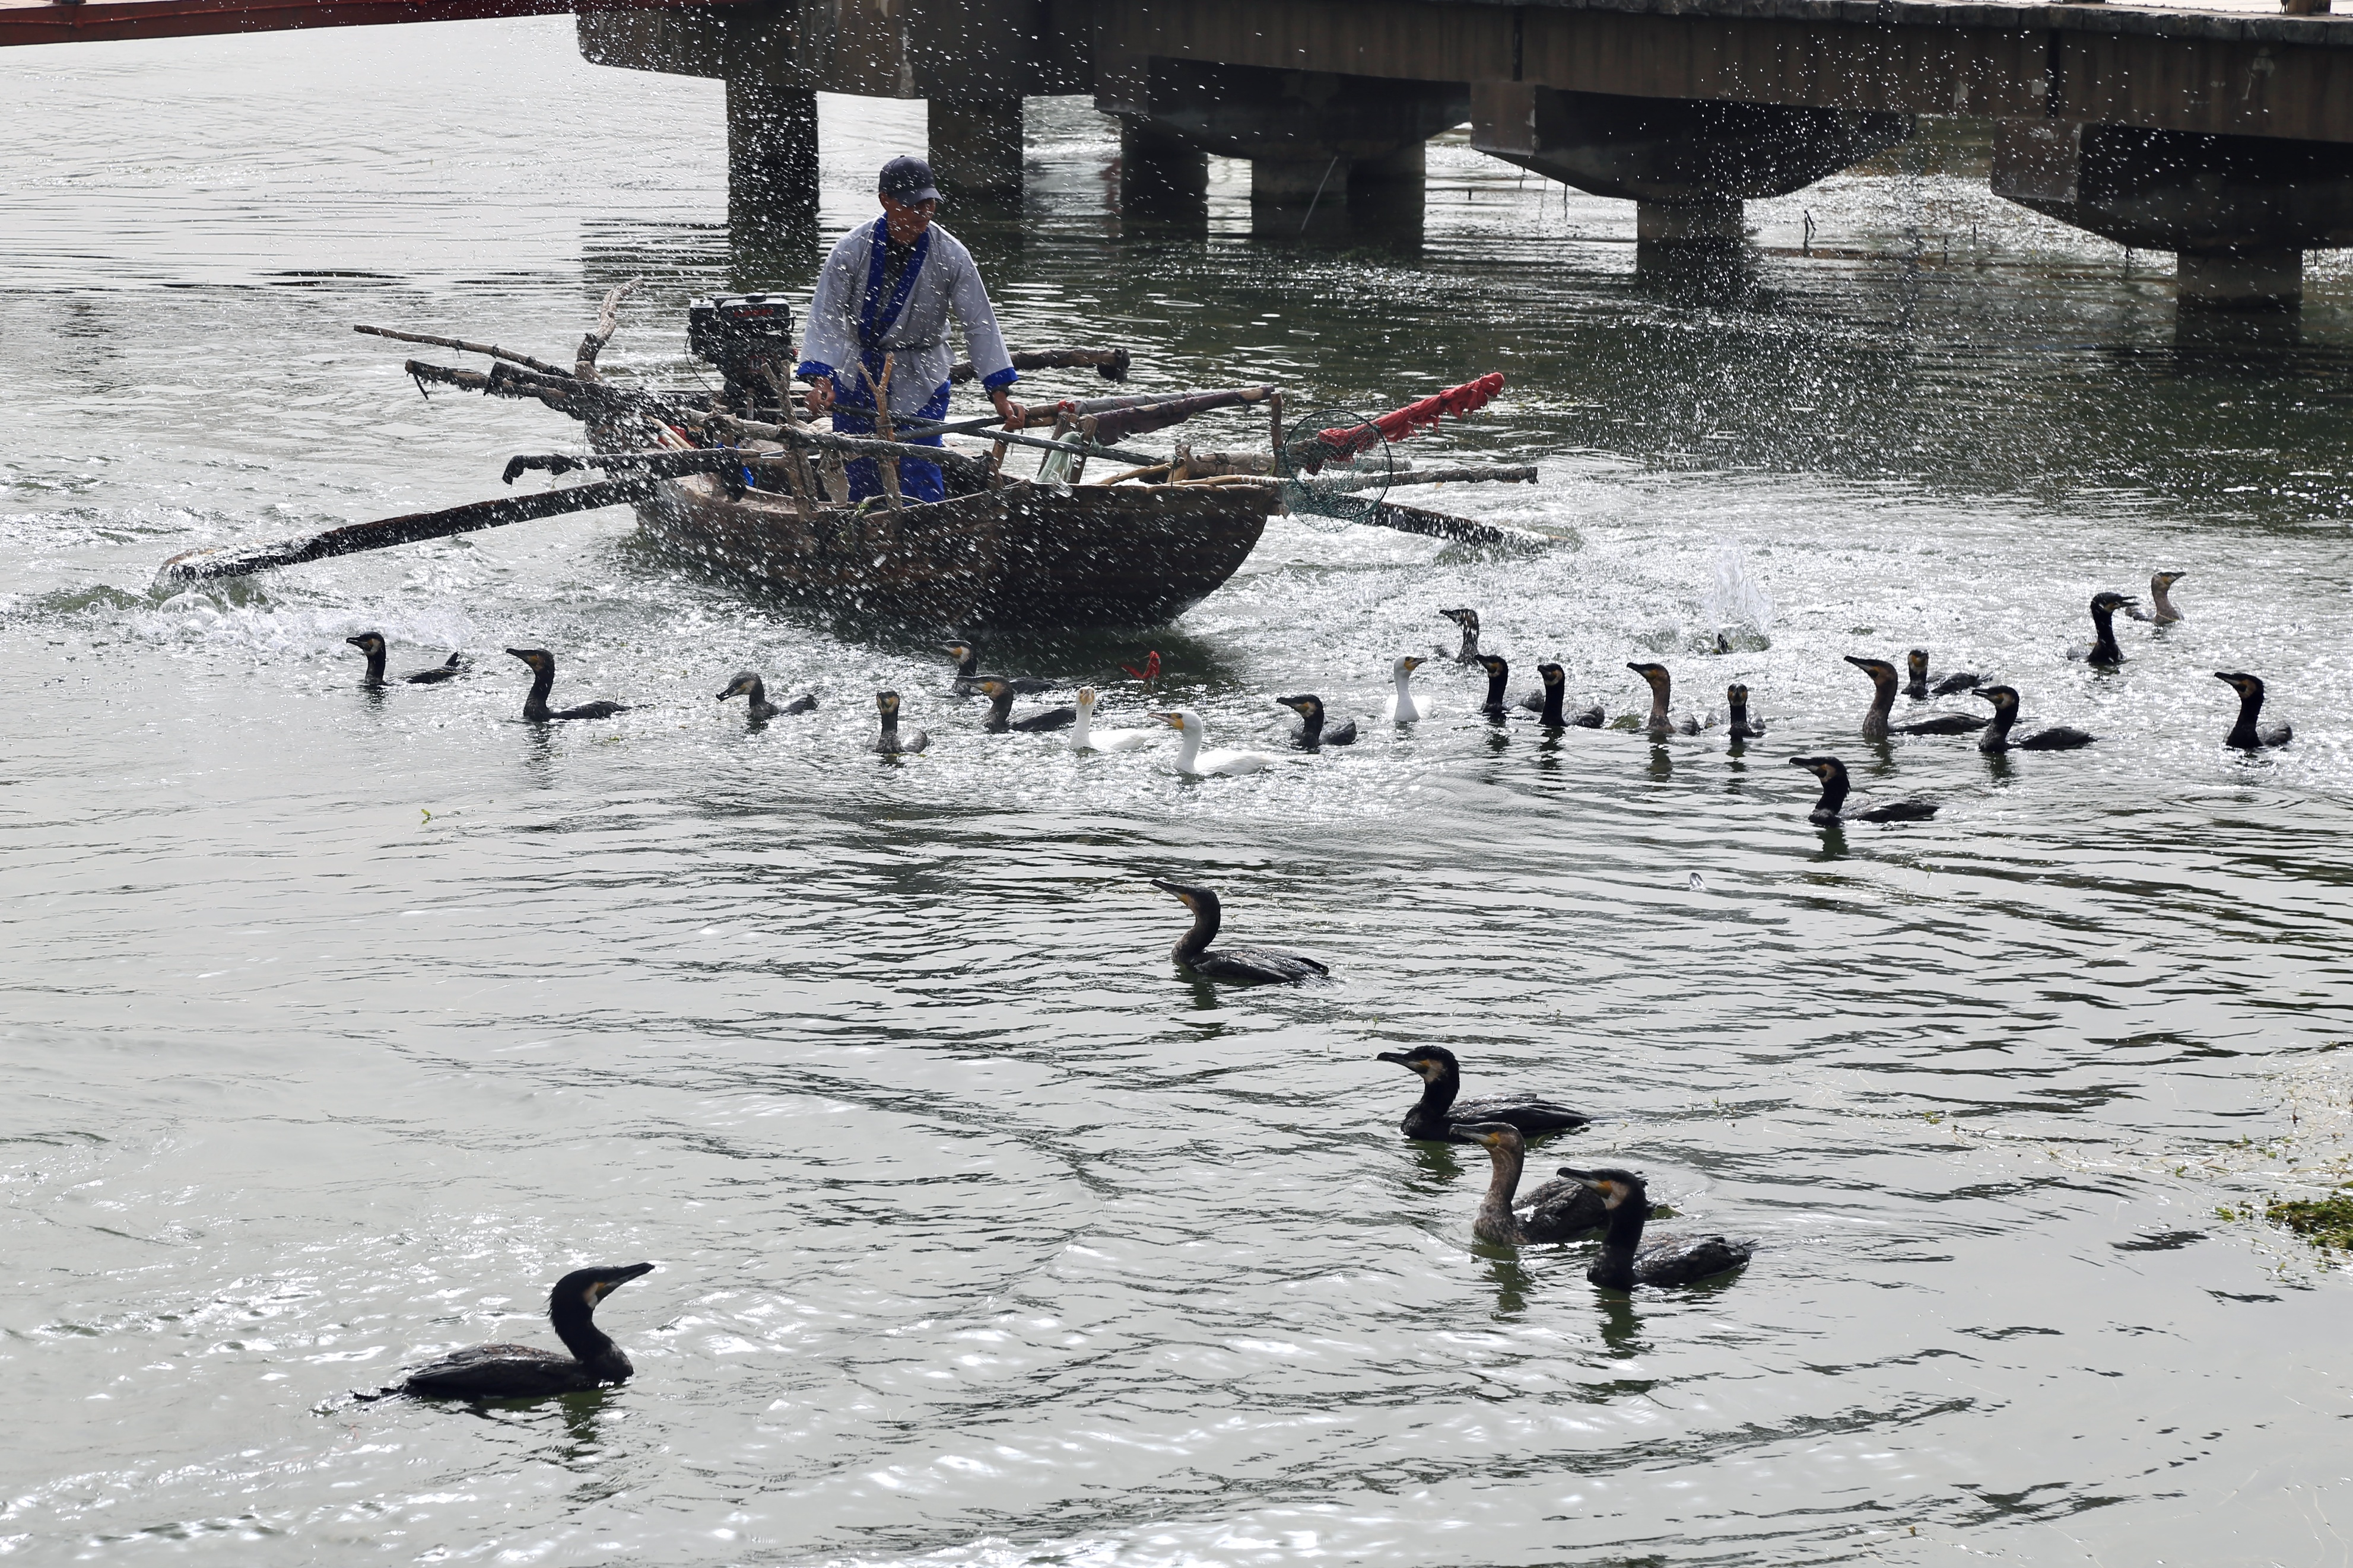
(338,1025)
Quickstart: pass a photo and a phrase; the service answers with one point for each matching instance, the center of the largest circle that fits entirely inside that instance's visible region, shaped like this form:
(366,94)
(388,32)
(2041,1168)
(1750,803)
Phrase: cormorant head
(539,659)
(1086,696)
(1486,1134)
(370,643)
(1495,663)
(741,685)
(887,701)
(1199,899)
(2242,683)
(1183,718)
(2111,602)
(1615,1186)
(1551,674)
(1656,674)
(1823,768)
(1735,694)
(1306,704)
(1916,663)
(959,651)
(2165,579)
(1467,619)
(2004,698)
(586,1286)
(1407,665)
(995,691)
(1882,673)
(1432,1062)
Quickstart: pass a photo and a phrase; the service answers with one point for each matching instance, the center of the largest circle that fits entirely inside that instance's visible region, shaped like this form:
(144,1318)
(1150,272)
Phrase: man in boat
(885,295)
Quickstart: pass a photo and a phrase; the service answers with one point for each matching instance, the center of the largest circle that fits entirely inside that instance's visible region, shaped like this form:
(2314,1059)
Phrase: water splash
(1736,610)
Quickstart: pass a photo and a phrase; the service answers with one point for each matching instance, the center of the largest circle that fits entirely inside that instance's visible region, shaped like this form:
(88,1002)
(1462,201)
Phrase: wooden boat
(1025,555)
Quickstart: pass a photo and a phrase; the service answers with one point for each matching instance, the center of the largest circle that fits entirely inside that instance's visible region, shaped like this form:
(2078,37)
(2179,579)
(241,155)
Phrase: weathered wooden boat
(1027,555)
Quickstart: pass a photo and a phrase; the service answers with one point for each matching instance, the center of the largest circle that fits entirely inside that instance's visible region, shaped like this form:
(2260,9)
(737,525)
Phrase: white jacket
(848,321)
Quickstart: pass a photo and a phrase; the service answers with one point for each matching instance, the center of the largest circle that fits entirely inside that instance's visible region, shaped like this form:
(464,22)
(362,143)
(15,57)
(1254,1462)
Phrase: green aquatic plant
(2325,1222)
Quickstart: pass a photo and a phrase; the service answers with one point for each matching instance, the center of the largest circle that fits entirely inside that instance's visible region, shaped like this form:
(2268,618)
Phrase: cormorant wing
(1531,1116)
(492,1372)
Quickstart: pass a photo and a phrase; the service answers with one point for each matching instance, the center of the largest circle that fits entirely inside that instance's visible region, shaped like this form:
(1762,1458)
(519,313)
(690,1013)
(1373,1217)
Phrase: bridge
(2219,130)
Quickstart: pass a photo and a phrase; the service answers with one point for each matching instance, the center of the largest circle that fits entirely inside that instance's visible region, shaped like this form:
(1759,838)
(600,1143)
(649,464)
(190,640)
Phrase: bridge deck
(46,22)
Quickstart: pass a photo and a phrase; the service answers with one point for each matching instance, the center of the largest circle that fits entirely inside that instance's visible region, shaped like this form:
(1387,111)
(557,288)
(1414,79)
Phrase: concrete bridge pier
(1688,165)
(1159,171)
(2238,211)
(975,146)
(772,167)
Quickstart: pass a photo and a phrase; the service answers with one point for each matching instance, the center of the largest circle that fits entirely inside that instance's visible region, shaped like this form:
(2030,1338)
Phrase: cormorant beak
(1584,1179)
(1400,1057)
(1412,664)
(1172,721)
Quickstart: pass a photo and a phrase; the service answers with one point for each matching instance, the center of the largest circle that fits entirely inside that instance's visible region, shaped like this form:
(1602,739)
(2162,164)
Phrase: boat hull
(1027,555)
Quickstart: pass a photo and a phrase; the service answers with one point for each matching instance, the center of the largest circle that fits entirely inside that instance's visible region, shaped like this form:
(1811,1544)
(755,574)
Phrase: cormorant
(1916,685)
(1554,1212)
(1241,966)
(2104,649)
(1000,717)
(1191,759)
(1469,621)
(968,677)
(1625,1262)
(1830,809)
(1438,1109)
(748,684)
(1549,706)
(1743,728)
(2246,734)
(2058,738)
(1499,675)
(372,645)
(543,680)
(1404,708)
(891,742)
(1313,732)
(2160,595)
(1875,726)
(513,1371)
(1085,737)
(1662,685)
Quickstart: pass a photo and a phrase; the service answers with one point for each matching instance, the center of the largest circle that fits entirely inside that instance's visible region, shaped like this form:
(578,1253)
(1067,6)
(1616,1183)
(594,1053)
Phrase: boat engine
(750,338)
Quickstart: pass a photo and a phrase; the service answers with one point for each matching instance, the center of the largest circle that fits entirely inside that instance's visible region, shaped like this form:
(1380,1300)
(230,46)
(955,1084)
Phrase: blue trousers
(917,481)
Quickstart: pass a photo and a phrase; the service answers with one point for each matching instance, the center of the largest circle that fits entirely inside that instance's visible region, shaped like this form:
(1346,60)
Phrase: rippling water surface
(338,1025)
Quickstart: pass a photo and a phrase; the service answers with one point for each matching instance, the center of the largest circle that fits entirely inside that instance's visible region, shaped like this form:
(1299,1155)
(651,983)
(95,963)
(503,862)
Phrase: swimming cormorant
(1875,726)
(1554,1212)
(1625,1262)
(2163,614)
(1438,1109)
(1743,728)
(1241,966)
(1469,621)
(892,741)
(1661,684)
(515,1371)
(372,645)
(748,684)
(2247,734)
(968,677)
(1549,706)
(1085,737)
(1830,809)
(1915,684)
(2104,649)
(543,680)
(1313,732)
(1000,712)
(2058,738)
(1405,708)
(1191,759)
(1499,675)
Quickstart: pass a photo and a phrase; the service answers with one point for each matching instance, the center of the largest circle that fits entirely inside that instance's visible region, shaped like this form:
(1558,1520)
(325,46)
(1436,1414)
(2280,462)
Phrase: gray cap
(908,180)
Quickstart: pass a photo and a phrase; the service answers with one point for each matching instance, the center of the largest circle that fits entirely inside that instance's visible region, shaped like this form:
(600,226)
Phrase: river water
(339,1024)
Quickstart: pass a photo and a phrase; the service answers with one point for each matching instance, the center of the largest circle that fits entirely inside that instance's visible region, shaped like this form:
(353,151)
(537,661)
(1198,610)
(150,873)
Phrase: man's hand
(1012,413)
(820,395)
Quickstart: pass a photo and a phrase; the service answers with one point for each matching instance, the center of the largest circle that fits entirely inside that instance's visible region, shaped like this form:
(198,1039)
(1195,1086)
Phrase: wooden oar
(237,560)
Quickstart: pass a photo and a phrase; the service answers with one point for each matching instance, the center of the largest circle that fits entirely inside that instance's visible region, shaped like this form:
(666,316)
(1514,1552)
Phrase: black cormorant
(1499,675)
(1916,684)
(893,741)
(2104,649)
(1548,704)
(1625,1262)
(1438,1109)
(372,645)
(512,1372)
(757,708)
(1313,731)
(1000,712)
(2247,734)
(1743,728)
(1875,726)
(1662,685)
(2162,612)
(1242,966)
(2058,738)
(1554,1212)
(542,679)
(1830,809)
(1469,621)
(968,677)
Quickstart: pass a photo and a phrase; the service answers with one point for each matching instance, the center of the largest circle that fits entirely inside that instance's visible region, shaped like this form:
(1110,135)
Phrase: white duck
(1191,759)
(1085,737)
(1405,708)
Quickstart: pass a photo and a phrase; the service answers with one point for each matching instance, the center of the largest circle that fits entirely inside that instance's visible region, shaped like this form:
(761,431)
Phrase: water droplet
(1697,886)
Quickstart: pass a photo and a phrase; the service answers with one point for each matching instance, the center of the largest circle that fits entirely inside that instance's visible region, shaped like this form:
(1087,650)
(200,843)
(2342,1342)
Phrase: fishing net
(1336,468)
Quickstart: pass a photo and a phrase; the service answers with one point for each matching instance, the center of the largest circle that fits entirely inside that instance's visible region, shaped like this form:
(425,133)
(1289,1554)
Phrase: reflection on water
(342,1021)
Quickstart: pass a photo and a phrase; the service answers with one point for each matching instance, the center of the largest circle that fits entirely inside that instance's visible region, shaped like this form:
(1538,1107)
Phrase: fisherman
(885,294)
